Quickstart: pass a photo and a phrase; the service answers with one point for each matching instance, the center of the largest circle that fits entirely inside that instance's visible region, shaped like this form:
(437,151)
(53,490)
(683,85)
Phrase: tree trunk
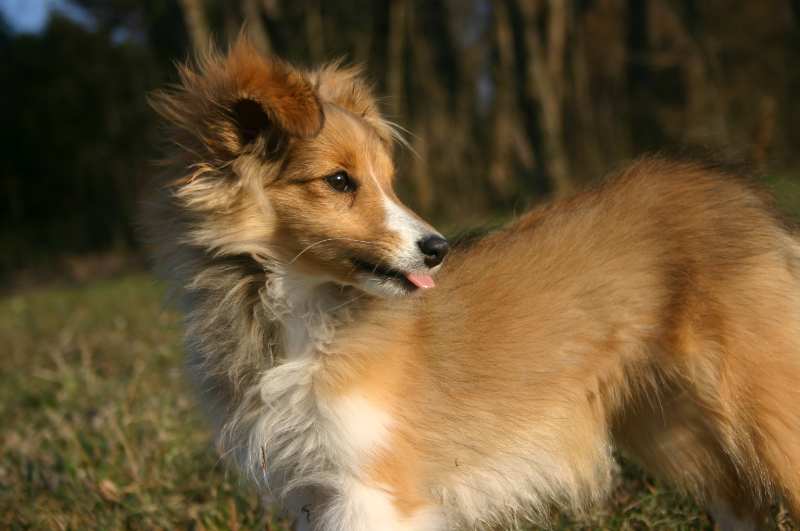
(547,84)
(509,143)
(395,79)
(195,19)
(314,31)
(425,84)
(256,31)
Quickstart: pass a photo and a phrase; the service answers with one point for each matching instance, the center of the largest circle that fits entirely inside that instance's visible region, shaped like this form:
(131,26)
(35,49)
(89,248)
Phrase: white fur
(359,507)
(409,228)
(359,426)
(410,231)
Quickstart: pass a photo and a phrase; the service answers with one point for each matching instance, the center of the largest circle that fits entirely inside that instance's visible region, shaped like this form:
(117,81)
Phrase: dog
(369,377)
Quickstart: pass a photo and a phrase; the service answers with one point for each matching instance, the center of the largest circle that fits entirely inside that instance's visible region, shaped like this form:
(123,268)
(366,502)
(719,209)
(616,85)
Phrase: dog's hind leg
(777,397)
(778,443)
(673,441)
(766,380)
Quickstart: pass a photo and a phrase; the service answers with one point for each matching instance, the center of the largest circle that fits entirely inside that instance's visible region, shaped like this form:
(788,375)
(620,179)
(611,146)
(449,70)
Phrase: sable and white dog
(658,312)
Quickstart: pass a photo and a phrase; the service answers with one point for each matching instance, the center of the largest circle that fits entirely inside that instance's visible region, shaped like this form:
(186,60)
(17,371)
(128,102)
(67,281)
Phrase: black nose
(434,248)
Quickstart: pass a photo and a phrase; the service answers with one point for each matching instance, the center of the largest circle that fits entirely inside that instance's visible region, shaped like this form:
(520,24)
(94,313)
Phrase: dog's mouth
(408,280)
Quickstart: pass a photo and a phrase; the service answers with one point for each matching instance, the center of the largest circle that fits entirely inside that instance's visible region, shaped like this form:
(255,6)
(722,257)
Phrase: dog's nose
(434,248)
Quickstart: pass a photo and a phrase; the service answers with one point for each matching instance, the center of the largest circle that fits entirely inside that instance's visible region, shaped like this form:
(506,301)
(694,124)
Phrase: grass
(99,430)
(786,189)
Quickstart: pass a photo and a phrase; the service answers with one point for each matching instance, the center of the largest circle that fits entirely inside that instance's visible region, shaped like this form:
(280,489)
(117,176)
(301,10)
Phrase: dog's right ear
(228,104)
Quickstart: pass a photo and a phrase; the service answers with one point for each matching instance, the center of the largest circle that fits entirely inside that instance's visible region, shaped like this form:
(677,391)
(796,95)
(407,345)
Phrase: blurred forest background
(506,101)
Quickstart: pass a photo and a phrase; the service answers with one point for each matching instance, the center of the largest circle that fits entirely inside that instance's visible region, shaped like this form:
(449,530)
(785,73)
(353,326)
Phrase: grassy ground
(99,431)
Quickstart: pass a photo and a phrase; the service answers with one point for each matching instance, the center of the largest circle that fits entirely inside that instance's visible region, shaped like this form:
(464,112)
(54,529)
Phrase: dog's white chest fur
(297,444)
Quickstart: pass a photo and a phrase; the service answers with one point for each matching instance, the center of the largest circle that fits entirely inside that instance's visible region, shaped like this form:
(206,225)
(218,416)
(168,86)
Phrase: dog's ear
(269,92)
(226,104)
(346,87)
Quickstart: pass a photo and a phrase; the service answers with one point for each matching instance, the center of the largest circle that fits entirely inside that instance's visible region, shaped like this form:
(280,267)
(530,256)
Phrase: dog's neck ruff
(272,424)
(304,313)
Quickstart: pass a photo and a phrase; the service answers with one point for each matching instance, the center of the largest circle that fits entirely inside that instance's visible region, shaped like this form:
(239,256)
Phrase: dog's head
(294,168)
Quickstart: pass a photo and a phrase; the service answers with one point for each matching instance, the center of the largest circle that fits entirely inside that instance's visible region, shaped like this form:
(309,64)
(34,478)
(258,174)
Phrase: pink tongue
(421,281)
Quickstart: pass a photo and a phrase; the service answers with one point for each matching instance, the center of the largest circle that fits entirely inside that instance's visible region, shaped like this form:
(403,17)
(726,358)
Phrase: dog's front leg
(357,506)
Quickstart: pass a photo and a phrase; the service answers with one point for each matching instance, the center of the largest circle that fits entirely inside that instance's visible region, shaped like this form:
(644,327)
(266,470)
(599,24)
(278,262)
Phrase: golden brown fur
(661,307)
(658,312)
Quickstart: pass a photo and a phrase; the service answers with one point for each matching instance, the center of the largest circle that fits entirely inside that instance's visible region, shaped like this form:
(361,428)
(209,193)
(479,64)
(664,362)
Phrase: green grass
(98,428)
(786,189)
(99,431)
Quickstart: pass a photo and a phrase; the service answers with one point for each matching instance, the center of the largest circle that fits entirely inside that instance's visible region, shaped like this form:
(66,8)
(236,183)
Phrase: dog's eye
(341,182)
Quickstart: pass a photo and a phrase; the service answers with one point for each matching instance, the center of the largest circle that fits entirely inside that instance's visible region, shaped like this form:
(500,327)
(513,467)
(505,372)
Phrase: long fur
(658,312)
